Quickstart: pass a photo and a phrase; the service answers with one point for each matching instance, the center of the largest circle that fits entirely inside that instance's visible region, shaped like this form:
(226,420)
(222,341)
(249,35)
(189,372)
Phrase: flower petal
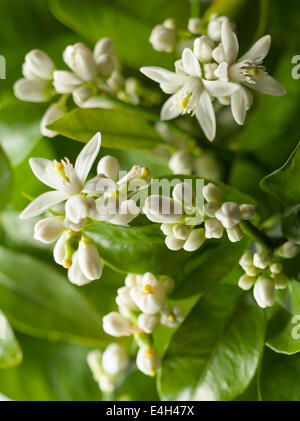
(239,106)
(170,109)
(268,85)
(259,50)
(87,157)
(160,75)
(99,185)
(219,88)
(42,203)
(230,42)
(206,116)
(39,168)
(190,63)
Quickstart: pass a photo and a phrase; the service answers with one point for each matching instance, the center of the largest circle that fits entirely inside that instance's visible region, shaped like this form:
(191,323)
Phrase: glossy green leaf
(37,299)
(291,224)
(94,20)
(120,129)
(6,179)
(284,327)
(215,352)
(279,377)
(50,371)
(10,350)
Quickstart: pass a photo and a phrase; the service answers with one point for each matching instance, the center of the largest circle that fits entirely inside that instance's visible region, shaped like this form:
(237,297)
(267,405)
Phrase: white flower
(194,25)
(147,322)
(89,260)
(115,324)
(124,299)
(114,359)
(229,214)
(194,240)
(105,65)
(213,228)
(210,208)
(246,259)
(94,363)
(280,280)
(214,27)
(247,212)
(148,361)
(103,46)
(38,65)
(65,82)
(81,95)
(172,316)
(53,113)
(289,250)
(276,267)
(162,209)
(59,249)
(209,72)
(109,166)
(261,260)
(212,193)
(148,295)
(65,179)
(264,291)
(234,234)
(181,162)
(107,383)
(132,279)
(75,274)
(203,47)
(32,90)
(246,72)
(81,61)
(246,282)
(49,229)
(190,93)
(78,208)
(163,38)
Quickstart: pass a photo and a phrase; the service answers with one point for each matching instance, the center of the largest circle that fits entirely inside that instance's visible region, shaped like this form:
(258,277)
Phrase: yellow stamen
(67,263)
(254,72)
(148,353)
(171,317)
(185,101)
(147,288)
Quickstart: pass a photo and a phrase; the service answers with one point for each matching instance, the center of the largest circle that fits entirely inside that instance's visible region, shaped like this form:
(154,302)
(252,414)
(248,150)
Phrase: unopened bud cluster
(107,367)
(142,304)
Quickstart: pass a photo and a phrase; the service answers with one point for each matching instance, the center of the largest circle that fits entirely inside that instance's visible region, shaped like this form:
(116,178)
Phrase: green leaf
(291,224)
(135,249)
(120,129)
(50,372)
(137,387)
(94,20)
(6,183)
(279,377)
(38,300)
(284,182)
(215,352)
(284,326)
(10,350)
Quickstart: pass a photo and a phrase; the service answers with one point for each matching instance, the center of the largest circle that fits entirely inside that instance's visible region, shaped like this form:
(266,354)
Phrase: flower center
(148,353)
(171,318)
(188,96)
(147,289)
(246,71)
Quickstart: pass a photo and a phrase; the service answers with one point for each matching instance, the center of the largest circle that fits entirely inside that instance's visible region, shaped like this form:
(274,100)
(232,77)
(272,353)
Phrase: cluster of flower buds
(77,201)
(264,273)
(209,71)
(181,216)
(108,367)
(142,304)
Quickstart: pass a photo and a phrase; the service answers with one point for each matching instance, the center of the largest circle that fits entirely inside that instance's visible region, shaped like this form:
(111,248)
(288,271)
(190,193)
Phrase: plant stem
(195,8)
(257,235)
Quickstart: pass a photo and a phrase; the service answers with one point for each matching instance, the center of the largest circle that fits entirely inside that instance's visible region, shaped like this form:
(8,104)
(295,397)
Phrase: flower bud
(214,27)
(246,282)
(264,291)
(162,38)
(167,229)
(213,228)
(181,162)
(288,250)
(195,25)
(115,324)
(203,47)
(246,259)
(218,54)
(261,260)
(210,208)
(116,81)
(131,280)
(89,260)
(81,95)
(53,113)
(38,65)
(114,359)
(172,316)
(109,166)
(124,299)
(181,232)
(169,23)
(128,210)
(173,243)
(211,193)
(147,322)
(149,294)
(107,383)
(234,234)
(162,209)
(209,71)
(75,274)
(59,249)
(49,229)
(148,361)
(94,363)
(65,82)
(103,46)
(229,214)
(79,207)
(80,59)
(105,65)
(251,270)
(247,212)
(276,267)
(281,280)
(184,193)
(32,90)
(195,240)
